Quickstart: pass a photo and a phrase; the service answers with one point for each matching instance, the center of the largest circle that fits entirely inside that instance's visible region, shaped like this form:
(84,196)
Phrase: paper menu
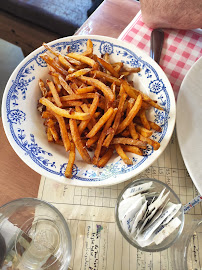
(96,240)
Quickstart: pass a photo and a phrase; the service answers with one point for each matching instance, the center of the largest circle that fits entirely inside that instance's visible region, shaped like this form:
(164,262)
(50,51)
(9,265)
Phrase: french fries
(132,113)
(89,49)
(129,141)
(84,59)
(63,131)
(78,142)
(62,112)
(54,93)
(108,67)
(70,164)
(89,105)
(102,137)
(123,155)
(116,121)
(100,123)
(92,111)
(104,88)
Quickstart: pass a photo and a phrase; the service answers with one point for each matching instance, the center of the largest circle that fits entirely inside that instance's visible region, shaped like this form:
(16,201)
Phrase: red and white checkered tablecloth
(181,49)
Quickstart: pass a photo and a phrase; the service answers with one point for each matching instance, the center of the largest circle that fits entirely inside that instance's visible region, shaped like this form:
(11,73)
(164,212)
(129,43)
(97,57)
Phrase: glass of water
(34,235)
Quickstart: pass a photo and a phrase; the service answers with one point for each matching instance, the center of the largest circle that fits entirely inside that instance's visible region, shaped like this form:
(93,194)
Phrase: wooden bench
(28,24)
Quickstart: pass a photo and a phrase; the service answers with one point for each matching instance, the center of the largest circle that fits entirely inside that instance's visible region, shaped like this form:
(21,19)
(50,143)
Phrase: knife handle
(157,38)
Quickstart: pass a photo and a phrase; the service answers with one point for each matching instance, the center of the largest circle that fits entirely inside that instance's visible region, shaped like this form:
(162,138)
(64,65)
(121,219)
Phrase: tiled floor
(10,57)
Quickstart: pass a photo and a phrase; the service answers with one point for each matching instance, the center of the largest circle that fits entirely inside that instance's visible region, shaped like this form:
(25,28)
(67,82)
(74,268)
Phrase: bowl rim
(148,249)
(114,179)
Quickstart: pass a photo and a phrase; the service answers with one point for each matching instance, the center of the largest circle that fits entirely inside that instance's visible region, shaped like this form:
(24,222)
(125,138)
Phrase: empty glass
(186,253)
(34,235)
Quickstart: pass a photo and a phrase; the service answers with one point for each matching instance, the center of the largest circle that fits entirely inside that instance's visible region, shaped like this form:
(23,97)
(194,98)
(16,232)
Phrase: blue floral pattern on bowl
(16,116)
(106,47)
(26,77)
(156,86)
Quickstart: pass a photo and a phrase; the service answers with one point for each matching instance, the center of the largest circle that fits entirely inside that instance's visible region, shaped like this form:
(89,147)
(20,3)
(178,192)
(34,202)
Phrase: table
(17,180)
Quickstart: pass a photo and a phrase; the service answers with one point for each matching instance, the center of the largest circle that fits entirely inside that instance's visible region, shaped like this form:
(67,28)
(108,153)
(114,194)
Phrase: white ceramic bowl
(24,127)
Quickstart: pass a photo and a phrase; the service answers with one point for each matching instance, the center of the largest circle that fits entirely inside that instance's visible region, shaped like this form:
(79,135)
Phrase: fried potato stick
(129,90)
(105,158)
(63,112)
(93,139)
(94,82)
(92,121)
(132,70)
(56,81)
(123,155)
(51,126)
(63,131)
(50,49)
(132,149)
(131,126)
(54,93)
(43,88)
(89,49)
(78,142)
(63,83)
(100,123)
(49,135)
(143,119)
(66,64)
(143,131)
(77,96)
(116,121)
(47,114)
(107,77)
(54,64)
(78,73)
(84,59)
(123,140)
(108,67)
(86,89)
(151,142)
(132,113)
(155,126)
(102,137)
(117,66)
(152,124)
(72,155)
(92,111)
(133,131)
(148,99)
(71,103)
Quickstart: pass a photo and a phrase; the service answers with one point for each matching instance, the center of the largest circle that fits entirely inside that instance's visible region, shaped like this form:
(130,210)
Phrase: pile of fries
(89,104)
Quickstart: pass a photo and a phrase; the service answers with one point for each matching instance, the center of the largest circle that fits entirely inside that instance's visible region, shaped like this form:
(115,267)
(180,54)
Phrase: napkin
(181,48)
(9,231)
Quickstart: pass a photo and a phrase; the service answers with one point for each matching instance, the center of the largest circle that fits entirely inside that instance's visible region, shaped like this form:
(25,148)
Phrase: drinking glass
(157,187)
(34,235)
(186,253)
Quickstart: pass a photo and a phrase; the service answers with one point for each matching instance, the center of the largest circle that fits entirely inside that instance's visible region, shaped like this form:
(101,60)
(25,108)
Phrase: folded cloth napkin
(181,48)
